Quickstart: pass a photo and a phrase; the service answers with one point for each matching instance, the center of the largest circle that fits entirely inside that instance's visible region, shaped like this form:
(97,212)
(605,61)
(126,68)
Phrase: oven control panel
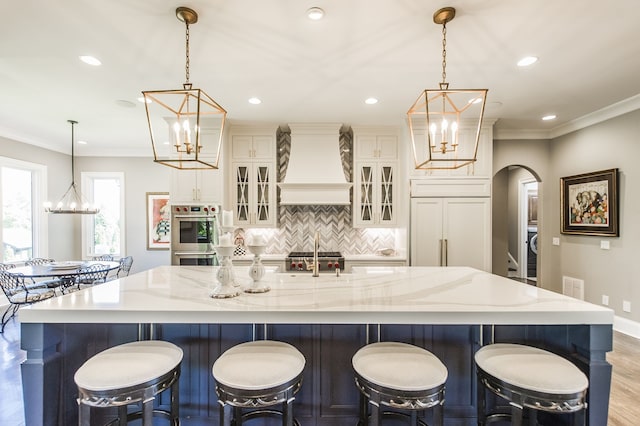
(195,210)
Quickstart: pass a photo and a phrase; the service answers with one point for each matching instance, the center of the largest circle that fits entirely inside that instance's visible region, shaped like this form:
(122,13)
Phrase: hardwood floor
(623,411)
(625,381)
(11,412)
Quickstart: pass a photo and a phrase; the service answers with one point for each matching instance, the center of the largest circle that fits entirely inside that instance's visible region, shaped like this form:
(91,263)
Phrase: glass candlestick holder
(256,271)
(225,288)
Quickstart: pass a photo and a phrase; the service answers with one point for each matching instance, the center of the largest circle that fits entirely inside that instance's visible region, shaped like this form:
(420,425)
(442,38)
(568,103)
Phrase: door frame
(523,225)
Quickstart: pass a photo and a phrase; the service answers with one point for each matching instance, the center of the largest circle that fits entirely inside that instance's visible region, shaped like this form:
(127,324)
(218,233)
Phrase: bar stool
(128,374)
(258,375)
(529,377)
(399,376)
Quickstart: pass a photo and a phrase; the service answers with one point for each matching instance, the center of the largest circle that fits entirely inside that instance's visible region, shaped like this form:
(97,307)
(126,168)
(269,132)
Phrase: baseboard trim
(626,326)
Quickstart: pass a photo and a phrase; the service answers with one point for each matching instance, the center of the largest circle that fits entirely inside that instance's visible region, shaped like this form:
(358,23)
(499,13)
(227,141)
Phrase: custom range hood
(314,174)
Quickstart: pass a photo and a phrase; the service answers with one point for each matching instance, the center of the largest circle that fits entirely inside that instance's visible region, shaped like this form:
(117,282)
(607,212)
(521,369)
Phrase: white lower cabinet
(451,232)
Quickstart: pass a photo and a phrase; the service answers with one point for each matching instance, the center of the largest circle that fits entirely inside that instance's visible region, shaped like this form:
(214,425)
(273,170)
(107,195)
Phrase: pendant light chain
(73,179)
(444,53)
(186,66)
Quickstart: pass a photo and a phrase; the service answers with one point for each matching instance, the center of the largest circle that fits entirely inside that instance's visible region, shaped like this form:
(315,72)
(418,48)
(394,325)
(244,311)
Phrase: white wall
(610,144)
(615,272)
(141,175)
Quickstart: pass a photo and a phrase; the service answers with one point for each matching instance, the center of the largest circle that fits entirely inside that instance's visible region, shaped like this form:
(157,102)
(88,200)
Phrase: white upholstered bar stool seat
(258,375)
(399,376)
(529,377)
(127,374)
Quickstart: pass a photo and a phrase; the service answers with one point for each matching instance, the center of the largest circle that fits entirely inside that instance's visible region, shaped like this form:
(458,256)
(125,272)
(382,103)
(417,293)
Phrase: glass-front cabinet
(375,189)
(375,174)
(254,194)
(253,176)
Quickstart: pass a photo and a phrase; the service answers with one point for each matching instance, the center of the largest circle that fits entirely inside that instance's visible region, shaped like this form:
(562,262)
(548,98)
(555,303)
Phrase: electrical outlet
(626,306)
(555,241)
(605,300)
(604,245)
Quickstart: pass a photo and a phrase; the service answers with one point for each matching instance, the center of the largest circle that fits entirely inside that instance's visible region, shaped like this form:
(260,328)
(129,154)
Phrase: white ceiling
(305,71)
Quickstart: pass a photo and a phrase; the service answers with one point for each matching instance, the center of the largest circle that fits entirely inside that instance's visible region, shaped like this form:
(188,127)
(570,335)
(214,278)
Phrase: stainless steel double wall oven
(194,232)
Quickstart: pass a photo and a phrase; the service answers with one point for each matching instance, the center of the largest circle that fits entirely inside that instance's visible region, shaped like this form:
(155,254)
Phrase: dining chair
(18,294)
(5,266)
(103,257)
(88,276)
(125,266)
(51,283)
(38,261)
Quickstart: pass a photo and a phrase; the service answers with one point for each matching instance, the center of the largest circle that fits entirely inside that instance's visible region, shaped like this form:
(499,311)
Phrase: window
(103,233)
(23,232)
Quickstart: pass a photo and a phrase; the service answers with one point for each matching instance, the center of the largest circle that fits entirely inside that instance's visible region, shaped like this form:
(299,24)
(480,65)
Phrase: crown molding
(603,114)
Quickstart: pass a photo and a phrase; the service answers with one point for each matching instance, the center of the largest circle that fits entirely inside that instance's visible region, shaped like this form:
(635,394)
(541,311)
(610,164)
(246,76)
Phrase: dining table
(69,268)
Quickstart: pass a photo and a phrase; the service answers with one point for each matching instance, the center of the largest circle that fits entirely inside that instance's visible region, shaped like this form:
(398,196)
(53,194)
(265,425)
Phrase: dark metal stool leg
(413,418)
(84,418)
(516,416)
(376,411)
(122,415)
(237,416)
(481,402)
(364,411)
(147,412)
(175,403)
(287,413)
(438,415)
(225,415)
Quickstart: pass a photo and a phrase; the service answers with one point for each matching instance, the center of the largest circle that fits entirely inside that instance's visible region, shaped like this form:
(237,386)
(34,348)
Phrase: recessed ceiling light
(549,117)
(91,60)
(255,101)
(82,142)
(475,100)
(143,100)
(371,101)
(315,13)
(527,60)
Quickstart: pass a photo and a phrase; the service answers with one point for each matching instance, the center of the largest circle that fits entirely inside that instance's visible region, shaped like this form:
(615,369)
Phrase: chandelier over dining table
(186,125)
(445,123)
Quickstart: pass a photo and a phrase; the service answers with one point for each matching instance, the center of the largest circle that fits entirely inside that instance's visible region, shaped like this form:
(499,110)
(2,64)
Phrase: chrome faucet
(316,247)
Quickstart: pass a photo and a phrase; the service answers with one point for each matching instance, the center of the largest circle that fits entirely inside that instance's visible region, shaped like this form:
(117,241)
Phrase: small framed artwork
(158,221)
(590,203)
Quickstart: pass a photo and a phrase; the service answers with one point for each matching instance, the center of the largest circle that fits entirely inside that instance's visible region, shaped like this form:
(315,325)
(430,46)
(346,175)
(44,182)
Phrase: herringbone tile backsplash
(298,224)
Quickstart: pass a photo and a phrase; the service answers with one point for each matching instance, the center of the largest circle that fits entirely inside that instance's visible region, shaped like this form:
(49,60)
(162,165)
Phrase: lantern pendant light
(445,123)
(186,125)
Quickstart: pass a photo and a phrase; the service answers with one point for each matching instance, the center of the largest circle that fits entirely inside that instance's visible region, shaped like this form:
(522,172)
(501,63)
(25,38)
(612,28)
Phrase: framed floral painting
(158,221)
(590,203)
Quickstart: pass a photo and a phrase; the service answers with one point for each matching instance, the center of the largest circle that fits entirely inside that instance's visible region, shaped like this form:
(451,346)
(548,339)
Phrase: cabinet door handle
(441,253)
(193,194)
(446,252)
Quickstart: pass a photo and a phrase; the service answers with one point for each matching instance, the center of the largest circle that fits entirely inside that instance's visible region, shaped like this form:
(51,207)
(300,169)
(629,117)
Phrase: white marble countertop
(387,295)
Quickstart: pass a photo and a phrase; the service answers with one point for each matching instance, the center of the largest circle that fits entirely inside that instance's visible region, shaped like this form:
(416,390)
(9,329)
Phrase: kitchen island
(450,311)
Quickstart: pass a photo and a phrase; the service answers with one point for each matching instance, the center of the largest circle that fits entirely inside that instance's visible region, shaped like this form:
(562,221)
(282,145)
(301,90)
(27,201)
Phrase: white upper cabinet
(376,177)
(196,186)
(370,147)
(248,147)
(253,175)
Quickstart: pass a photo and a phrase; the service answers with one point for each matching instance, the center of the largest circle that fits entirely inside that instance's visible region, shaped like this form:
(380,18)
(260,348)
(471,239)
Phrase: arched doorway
(516,223)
